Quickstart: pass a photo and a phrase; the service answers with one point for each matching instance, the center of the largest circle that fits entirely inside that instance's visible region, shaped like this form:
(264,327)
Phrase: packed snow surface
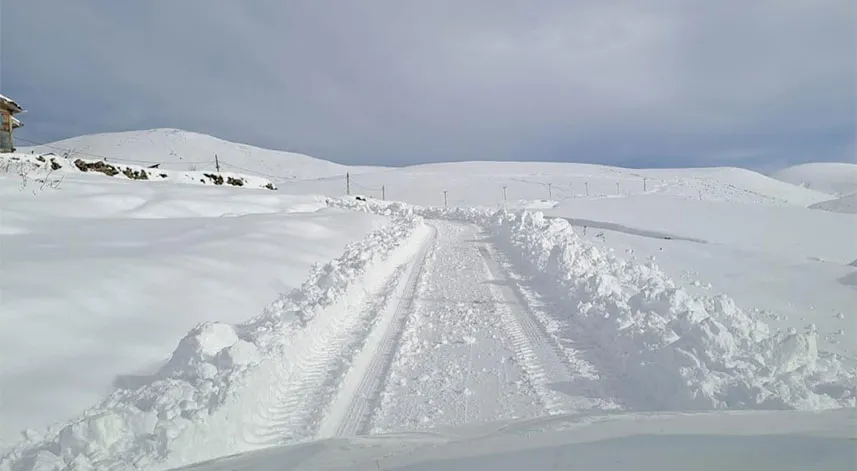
(761,441)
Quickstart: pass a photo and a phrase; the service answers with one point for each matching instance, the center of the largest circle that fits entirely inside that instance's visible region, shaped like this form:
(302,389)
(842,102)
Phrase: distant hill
(483,183)
(175,149)
(835,178)
(480,182)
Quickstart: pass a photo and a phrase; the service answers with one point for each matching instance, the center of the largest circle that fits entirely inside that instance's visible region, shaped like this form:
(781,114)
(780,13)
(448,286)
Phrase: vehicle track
(350,412)
(298,398)
(547,364)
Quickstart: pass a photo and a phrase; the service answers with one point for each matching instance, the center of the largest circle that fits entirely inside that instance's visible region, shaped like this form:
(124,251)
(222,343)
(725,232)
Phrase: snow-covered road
(450,342)
(447,339)
(457,362)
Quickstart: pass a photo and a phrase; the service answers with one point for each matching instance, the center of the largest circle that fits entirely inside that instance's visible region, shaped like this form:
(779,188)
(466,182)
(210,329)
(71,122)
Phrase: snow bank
(198,404)
(664,348)
(54,165)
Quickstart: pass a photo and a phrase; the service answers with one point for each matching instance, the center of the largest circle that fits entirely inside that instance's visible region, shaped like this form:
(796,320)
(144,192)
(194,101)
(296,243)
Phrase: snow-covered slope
(55,168)
(467,183)
(183,150)
(844,204)
(485,183)
(835,178)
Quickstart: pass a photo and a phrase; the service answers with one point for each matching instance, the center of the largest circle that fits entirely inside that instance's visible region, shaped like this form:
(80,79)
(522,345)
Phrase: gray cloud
(664,82)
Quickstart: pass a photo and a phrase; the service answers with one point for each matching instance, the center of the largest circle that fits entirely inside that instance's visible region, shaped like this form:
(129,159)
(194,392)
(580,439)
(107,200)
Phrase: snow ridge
(197,405)
(663,348)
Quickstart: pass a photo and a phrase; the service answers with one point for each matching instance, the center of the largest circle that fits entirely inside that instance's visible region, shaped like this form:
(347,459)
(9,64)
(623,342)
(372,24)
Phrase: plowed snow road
(456,344)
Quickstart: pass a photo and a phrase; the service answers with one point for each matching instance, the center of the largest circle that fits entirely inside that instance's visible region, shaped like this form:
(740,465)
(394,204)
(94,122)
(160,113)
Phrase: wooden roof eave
(9,104)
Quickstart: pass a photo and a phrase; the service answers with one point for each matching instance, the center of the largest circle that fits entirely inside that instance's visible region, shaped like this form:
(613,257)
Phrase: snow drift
(198,404)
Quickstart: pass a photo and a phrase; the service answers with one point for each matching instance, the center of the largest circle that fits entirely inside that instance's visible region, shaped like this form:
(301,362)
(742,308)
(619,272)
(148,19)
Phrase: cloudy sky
(756,83)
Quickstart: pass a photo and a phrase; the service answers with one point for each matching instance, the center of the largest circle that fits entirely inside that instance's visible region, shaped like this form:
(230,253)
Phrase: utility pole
(216,163)
(445,205)
(550,192)
(383,192)
(347,183)
(644,184)
(587,188)
(504,192)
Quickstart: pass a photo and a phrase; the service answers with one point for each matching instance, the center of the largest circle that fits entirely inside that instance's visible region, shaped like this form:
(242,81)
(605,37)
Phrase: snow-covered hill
(55,168)
(486,183)
(182,150)
(830,177)
(466,183)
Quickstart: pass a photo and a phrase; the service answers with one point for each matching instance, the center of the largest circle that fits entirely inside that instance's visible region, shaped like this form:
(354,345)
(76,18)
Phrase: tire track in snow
(542,358)
(352,409)
(456,364)
(297,397)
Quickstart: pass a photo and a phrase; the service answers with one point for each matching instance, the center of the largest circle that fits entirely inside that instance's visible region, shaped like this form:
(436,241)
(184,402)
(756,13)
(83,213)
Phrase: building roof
(16,123)
(9,104)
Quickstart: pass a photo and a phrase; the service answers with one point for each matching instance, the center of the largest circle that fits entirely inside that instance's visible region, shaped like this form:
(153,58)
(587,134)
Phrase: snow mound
(53,166)
(664,348)
(203,401)
(845,204)
(829,177)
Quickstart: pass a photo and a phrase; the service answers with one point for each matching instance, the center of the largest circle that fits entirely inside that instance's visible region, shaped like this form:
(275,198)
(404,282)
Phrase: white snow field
(684,319)
(100,277)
